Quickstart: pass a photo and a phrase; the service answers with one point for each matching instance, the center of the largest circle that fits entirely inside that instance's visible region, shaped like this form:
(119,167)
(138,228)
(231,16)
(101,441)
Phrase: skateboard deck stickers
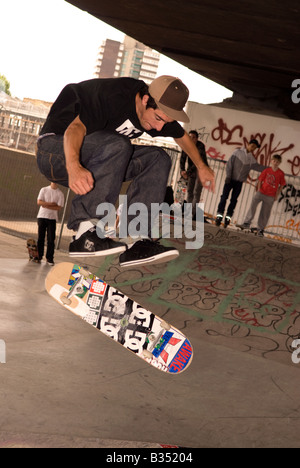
(120,318)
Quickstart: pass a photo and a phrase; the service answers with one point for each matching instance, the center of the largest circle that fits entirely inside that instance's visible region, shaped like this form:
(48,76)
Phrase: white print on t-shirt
(128,129)
(271,180)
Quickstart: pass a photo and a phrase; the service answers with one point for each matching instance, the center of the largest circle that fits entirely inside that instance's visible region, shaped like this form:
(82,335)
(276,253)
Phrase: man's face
(193,137)
(251,147)
(152,119)
(275,163)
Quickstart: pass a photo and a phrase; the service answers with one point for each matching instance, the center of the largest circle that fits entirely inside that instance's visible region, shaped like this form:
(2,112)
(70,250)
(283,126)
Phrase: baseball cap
(255,142)
(170,95)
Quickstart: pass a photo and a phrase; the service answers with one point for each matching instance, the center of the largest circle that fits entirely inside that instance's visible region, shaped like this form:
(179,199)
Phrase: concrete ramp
(239,291)
(237,299)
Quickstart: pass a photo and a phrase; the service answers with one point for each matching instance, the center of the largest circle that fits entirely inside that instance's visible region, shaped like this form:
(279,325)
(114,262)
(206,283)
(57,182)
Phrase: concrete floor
(64,384)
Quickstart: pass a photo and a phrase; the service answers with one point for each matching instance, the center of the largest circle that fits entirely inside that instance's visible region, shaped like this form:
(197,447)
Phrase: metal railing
(21,181)
(284,221)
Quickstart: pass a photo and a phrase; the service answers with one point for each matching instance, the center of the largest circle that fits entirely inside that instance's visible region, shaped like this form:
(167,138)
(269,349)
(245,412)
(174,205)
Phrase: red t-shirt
(271,180)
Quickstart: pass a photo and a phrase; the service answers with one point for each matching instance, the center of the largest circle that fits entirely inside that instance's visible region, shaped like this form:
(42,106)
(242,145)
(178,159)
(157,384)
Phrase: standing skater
(50,200)
(240,163)
(270,184)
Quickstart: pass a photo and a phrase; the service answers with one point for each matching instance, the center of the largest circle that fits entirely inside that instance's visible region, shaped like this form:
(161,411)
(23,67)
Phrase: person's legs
(236,190)
(190,188)
(221,207)
(266,208)
(252,210)
(51,230)
(148,171)
(105,154)
(225,194)
(42,227)
(111,159)
(196,196)
(51,160)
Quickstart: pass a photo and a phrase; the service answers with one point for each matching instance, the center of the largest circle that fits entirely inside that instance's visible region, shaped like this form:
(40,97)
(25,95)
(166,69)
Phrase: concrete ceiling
(250,47)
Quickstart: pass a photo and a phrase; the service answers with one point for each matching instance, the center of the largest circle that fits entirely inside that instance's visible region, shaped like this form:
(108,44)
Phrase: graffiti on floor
(237,292)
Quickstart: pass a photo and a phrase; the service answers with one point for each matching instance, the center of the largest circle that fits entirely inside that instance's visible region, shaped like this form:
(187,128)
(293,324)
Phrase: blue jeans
(112,159)
(46,226)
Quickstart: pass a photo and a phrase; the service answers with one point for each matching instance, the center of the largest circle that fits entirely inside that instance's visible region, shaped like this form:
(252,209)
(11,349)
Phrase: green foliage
(4,85)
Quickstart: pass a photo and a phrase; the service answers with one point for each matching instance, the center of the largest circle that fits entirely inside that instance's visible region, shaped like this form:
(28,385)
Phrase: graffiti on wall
(223,130)
(219,294)
(236,136)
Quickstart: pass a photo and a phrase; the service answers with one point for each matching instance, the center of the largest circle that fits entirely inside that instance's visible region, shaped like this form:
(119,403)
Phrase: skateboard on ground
(32,250)
(119,317)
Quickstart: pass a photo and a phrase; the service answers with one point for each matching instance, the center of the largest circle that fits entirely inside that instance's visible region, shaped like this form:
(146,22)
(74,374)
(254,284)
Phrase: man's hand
(207,177)
(184,175)
(80,180)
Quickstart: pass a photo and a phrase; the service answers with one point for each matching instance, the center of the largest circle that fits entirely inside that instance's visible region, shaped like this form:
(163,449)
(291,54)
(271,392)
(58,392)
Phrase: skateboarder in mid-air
(85,145)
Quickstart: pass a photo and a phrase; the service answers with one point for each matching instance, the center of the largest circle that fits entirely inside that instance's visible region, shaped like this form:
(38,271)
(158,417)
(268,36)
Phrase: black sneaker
(147,251)
(227,221)
(90,244)
(219,220)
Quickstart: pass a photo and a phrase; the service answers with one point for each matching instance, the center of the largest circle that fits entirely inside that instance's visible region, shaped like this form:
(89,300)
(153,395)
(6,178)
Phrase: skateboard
(32,250)
(113,313)
(181,191)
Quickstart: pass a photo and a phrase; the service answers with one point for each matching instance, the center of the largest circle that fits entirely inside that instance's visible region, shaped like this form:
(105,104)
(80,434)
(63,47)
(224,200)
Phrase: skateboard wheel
(147,354)
(165,325)
(79,289)
(65,300)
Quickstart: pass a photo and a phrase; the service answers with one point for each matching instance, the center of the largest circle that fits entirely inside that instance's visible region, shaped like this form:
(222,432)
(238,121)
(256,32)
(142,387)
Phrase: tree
(4,85)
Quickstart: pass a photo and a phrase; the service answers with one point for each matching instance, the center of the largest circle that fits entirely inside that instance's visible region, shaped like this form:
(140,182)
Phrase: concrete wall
(20,183)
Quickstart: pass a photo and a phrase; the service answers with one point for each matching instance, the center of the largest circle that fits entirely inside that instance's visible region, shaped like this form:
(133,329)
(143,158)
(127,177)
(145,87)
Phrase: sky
(46,44)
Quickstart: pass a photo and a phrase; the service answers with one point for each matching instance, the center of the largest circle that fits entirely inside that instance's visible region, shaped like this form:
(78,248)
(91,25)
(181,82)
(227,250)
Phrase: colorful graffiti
(289,196)
(295,165)
(269,144)
(223,134)
(239,292)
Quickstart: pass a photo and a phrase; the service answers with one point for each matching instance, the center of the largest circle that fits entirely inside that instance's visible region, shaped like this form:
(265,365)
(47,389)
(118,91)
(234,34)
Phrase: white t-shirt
(49,195)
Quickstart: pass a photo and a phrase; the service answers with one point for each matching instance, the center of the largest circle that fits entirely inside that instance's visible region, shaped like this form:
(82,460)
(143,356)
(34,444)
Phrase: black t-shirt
(103,104)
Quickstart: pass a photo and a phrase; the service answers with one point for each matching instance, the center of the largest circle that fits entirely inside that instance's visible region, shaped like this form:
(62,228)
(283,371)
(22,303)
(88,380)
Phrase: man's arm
(80,179)
(49,205)
(206,175)
(255,166)
(229,168)
(280,187)
(259,184)
(278,192)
